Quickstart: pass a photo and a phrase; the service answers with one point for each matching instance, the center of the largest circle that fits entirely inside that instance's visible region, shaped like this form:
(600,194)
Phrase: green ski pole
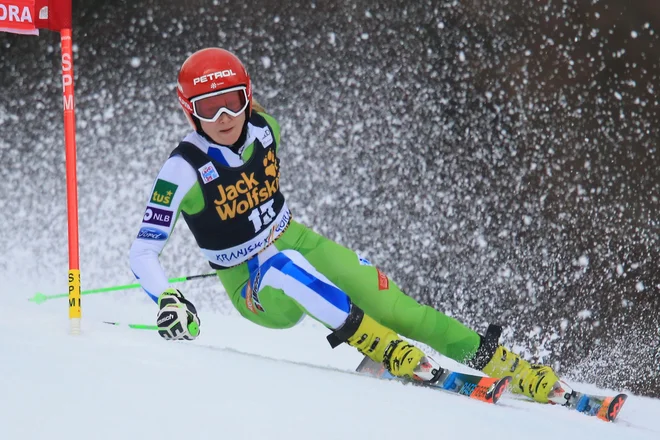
(135,326)
(40,298)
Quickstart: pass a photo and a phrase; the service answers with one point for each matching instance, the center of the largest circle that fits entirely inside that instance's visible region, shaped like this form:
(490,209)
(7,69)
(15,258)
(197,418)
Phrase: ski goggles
(210,106)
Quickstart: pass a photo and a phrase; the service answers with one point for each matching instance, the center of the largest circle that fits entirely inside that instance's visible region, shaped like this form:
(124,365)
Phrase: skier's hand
(177,317)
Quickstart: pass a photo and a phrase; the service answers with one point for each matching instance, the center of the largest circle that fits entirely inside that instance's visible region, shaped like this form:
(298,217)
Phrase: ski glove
(177,317)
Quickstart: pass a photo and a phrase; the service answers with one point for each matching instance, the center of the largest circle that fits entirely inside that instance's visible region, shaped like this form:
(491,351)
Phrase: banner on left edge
(28,16)
(18,16)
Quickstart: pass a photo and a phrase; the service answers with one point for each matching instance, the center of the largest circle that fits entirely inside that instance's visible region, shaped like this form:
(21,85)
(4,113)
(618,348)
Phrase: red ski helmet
(212,81)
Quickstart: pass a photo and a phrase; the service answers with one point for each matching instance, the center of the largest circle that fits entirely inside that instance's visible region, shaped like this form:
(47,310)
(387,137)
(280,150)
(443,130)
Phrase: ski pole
(134,326)
(39,298)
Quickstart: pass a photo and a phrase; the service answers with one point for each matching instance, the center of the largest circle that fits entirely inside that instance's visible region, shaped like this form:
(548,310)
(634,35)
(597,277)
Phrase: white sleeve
(173,182)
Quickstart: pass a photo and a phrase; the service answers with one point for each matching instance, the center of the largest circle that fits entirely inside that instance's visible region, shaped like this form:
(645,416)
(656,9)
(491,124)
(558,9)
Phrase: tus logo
(163,192)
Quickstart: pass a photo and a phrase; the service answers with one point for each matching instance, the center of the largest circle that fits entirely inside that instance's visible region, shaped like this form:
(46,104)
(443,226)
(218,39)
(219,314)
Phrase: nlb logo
(160,217)
(244,195)
(14,13)
(211,76)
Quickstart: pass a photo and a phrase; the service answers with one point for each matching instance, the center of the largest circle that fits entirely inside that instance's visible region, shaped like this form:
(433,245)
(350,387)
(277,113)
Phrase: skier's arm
(172,184)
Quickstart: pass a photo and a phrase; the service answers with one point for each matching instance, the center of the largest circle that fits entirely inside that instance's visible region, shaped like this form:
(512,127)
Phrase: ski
(485,389)
(489,390)
(605,408)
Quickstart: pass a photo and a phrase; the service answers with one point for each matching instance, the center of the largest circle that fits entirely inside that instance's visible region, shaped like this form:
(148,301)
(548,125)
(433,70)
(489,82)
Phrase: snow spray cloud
(498,159)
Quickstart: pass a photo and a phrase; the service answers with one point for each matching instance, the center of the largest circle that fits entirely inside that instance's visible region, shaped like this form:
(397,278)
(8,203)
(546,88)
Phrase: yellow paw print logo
(270,164)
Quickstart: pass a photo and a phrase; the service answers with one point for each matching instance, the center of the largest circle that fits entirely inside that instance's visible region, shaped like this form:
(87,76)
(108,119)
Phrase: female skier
(224,180)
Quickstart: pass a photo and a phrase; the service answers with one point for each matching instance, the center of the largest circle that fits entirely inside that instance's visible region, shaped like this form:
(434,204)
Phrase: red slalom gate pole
(75,310)
(27,17)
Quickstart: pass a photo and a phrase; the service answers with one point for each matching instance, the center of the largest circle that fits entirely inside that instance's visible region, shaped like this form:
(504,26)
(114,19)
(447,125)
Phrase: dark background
(498,159)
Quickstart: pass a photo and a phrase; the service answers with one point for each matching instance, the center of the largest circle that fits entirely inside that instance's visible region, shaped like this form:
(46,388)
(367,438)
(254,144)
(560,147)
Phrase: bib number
(261,215)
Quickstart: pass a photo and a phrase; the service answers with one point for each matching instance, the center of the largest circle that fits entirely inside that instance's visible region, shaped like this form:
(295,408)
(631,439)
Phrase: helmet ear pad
(193,121)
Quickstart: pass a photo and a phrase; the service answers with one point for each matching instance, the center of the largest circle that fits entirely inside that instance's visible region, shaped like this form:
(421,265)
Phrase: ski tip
(499,387)
(613,408)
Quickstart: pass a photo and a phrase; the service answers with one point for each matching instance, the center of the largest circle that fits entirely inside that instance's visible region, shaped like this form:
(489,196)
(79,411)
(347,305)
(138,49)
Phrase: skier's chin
(226,135)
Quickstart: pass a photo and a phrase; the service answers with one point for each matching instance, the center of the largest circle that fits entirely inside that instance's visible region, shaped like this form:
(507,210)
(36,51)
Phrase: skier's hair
(257,107)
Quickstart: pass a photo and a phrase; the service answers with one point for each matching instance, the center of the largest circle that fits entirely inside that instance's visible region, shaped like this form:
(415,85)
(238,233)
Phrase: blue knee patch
(330,293)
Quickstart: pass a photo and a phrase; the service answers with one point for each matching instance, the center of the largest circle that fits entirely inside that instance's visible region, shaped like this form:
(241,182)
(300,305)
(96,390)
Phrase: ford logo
(152,234)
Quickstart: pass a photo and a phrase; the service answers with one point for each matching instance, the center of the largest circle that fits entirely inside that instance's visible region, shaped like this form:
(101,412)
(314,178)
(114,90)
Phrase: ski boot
(384,346)
(538,382)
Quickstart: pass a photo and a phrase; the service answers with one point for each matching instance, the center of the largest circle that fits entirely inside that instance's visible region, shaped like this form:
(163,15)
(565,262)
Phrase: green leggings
(366,286)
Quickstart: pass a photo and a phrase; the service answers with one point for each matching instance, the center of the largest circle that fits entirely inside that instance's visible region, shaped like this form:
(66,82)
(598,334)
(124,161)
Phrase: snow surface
(236,381)
(515,141)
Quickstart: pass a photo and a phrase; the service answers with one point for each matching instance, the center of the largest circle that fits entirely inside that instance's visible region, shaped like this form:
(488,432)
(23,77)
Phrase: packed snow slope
(237,381)
(514,141)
